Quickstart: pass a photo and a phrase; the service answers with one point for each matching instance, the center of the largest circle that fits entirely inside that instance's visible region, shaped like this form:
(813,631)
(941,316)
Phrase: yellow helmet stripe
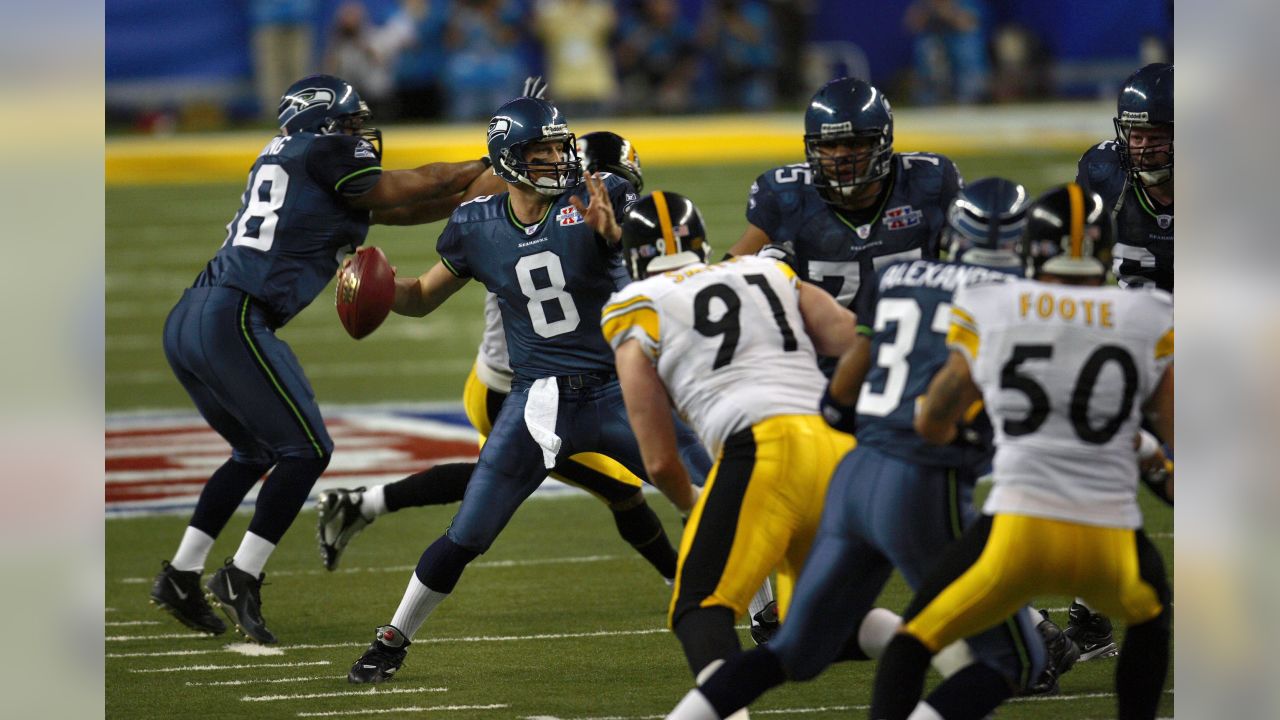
(664,219)
(1077,220)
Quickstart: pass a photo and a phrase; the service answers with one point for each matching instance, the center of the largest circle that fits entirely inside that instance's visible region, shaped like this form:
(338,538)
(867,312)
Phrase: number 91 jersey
(1064,371)
(728,341)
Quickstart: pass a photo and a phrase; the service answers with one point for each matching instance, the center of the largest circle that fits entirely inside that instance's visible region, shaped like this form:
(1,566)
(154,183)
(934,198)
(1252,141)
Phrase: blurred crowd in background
(457,60)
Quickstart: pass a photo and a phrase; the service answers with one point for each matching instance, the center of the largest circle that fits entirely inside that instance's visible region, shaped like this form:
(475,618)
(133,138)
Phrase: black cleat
(382,659)
(1092,632)
(1062,652)
(240,595)
(764,624)
(178,593)
(338,520)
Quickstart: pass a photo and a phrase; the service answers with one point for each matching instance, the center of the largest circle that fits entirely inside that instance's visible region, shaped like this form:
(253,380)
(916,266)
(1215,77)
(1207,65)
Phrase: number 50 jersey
(728,341)
(1064,372)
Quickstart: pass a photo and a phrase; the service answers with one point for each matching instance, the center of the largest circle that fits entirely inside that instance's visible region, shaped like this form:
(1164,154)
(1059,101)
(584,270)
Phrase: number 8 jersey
(1064,371)
(728,341)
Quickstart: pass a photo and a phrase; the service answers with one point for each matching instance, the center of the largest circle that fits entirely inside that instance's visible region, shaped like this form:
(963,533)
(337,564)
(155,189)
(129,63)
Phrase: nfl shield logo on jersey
(568,216)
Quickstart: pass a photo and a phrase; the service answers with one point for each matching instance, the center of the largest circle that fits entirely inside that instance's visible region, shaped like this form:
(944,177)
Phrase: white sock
(763,597)
(694,706)
(253,553)
(952,658)
(193,550)
(925,711)
(418,602)
(373,502)
(876,630)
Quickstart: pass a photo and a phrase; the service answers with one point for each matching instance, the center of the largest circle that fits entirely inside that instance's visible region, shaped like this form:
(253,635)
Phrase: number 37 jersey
(728,341)
(1065,371)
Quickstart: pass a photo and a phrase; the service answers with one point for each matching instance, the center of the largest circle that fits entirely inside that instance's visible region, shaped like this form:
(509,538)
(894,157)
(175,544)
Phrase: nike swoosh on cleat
(178,589)
(231,592)
(369,666)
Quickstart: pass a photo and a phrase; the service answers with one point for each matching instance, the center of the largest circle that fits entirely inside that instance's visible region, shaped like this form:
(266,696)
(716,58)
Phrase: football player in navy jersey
(855,205)
(548,250)
(1134,175)
(307,203)
(896,501)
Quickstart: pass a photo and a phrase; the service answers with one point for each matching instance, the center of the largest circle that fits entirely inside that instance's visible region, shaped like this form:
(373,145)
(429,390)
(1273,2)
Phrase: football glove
(1157,479)
(535,87)
(840,417)
(783,252)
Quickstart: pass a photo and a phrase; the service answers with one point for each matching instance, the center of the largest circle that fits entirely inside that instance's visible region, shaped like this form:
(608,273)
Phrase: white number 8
(555,291)
(257,225)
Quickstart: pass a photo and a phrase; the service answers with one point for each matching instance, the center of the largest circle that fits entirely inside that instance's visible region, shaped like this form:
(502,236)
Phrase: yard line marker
(406,568)
(342,693)
(260,681)
(411,709)
(165,636)
(251,666)
(253,649)
(128,623)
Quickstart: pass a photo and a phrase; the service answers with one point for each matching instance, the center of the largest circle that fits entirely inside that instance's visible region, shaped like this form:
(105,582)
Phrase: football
(366,290)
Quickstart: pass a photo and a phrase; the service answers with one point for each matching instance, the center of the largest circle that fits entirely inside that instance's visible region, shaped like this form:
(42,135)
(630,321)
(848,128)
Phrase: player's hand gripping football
(599,213)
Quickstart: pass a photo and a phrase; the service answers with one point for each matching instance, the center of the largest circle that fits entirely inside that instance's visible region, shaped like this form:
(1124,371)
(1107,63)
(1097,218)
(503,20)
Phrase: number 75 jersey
(728,341)
(1064,371)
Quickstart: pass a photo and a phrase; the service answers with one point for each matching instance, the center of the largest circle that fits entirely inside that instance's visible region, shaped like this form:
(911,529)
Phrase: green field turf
(560,619)
(160,237)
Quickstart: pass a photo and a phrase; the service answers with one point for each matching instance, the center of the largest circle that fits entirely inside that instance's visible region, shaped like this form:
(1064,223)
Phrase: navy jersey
(1144,232)
(551,278)
(293,227)
(907,313)
(834,252)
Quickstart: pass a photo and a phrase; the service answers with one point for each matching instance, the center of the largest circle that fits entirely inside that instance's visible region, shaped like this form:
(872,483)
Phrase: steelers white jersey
(728,341)
(493,364)
(1064,371)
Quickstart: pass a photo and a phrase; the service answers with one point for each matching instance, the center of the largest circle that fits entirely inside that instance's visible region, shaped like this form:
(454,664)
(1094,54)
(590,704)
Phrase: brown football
(366,290)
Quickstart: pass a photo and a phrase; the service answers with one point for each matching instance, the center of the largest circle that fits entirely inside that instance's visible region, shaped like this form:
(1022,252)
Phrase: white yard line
(165,636)
(342,693)
(401,710)
(252,666)
(130,623)
(261,681)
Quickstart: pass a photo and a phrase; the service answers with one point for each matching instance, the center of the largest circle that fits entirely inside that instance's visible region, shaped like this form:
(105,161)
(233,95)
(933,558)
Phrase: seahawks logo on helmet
(499,127)
(308,98)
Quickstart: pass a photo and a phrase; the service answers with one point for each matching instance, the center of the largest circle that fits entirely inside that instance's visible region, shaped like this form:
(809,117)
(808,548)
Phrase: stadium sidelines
(665,142)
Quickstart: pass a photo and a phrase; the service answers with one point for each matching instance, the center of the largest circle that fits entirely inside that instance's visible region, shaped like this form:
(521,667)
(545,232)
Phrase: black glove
(782,252)
(1157,480)
(840,417)
(535,87)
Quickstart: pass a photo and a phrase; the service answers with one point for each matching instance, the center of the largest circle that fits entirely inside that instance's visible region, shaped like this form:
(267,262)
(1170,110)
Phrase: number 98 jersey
(1064,371)
(728,341)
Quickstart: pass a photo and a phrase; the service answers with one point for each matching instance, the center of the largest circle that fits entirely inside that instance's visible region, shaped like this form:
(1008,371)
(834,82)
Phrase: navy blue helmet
(661,232)
(324,104)
(985,222)
(603,151)
(1069,232)
(1146,101)
(848,111)
(521,123)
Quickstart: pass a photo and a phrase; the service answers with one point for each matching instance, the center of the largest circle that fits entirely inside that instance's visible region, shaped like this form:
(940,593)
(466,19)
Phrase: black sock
(222,495)
(852,650)
(900,678)
(743,678)
(641,527)
(283,494)
(442,564)
(970,694)
(437,485)
(707,634)
(1142,668)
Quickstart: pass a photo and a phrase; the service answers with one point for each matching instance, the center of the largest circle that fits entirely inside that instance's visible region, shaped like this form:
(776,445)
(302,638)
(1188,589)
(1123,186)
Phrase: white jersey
(1064,371)
(493,364)
(728,341)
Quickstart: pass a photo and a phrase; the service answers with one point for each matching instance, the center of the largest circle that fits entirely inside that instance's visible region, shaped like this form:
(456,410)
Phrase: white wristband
(1148,446)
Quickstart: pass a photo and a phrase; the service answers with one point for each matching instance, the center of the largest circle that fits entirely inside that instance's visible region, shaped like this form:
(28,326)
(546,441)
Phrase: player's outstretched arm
(832,326)
(429,211)
(950,394)
(649,411)
(751,241)
(419,296)
(599,213)
(432,181)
